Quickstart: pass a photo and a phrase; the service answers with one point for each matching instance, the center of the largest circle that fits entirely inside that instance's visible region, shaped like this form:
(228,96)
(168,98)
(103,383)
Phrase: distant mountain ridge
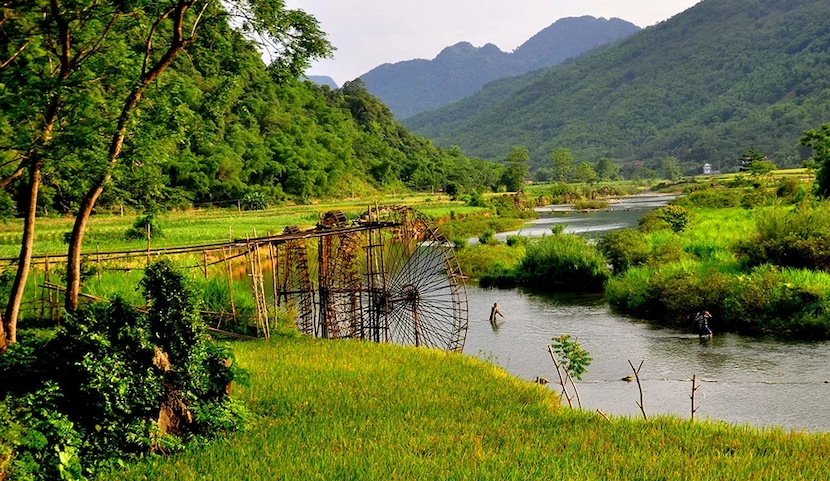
(460,70)
(323,80)
(703,86)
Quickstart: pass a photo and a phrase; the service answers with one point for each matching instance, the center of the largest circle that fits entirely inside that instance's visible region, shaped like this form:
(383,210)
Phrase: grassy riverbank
(354,410)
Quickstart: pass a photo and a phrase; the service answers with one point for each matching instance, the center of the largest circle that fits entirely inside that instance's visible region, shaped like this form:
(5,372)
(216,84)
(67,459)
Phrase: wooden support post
(275,276)
(149,242)
(230,282)
(98,263)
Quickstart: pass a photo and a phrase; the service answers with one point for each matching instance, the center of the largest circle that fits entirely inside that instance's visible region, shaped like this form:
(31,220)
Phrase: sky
(369,33)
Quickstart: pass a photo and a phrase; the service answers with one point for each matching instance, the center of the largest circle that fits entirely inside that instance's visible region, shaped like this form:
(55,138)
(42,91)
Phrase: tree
(585,173)
(562,161)
(515,169)
(294,40)
(748,158)
(607,170)
(671,169)
(80,69)
(761,167)
(43,77)
(819,140)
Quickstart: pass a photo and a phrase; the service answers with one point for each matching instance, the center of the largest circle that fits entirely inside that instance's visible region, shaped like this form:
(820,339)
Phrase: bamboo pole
(561,379)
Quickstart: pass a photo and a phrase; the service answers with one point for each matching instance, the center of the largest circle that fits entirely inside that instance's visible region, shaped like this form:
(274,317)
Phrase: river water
(742,379)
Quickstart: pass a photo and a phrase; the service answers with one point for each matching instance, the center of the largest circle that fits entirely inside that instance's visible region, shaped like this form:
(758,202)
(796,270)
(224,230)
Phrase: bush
(563,260)
(624,249)
(798,238)
(139,229)
(122,381)
(254,200)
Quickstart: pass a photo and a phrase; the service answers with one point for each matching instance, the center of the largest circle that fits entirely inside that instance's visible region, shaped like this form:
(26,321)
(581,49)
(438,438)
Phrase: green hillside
(704,86)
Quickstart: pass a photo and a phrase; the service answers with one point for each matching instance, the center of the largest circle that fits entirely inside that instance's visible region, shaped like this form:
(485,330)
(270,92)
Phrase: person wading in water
(702,319)
(494,312)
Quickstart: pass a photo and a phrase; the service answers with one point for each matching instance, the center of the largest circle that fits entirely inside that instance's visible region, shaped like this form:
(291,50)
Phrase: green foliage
(574,357)
(111,373)
(488,238)
(798,238)
(255,200)
(563,261)
(624,249)
(590,204)
(671,169)
(677,217)
(711,78)
(515,170)
(143,226)
(819,140)
(761,167)
(485,260)
(562,163)
(607,170)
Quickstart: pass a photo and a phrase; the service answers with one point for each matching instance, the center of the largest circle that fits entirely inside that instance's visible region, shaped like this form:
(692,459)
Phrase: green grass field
(354,410)
(107,231)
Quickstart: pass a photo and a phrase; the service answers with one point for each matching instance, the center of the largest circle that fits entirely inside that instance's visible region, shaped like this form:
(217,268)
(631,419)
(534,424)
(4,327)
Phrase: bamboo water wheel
(393,278)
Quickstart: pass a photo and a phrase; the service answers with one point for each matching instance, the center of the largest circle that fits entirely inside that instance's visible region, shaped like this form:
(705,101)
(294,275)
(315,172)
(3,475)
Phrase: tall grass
(353,410)
(563,260)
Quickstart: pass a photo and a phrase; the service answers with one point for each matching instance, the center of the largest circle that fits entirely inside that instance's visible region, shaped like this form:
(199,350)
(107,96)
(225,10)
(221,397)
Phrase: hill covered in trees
(703,86)
(414,86)
(218,126)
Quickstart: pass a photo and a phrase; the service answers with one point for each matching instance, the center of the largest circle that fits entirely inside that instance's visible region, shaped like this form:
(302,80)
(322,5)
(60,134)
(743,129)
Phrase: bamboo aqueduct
(387,276)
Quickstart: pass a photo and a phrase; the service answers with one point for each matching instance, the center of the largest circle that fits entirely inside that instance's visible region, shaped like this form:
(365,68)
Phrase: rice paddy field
(106,231)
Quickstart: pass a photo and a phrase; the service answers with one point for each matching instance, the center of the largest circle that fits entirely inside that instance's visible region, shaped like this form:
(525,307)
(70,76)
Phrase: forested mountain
(703,86)
(215,127)
(414,86)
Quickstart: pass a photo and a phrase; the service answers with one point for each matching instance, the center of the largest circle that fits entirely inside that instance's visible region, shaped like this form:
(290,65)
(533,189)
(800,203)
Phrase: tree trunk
(177,44)
(25,260)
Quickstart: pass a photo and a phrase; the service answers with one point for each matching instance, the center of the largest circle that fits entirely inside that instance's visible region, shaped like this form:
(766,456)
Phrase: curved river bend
(744,380)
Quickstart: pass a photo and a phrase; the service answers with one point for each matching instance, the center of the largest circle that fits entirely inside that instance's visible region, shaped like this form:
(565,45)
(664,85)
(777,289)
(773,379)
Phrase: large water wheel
(393,278)
(294,292)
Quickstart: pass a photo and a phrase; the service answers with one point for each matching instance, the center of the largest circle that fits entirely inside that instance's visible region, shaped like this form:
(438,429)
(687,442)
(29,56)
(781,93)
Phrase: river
(763,382)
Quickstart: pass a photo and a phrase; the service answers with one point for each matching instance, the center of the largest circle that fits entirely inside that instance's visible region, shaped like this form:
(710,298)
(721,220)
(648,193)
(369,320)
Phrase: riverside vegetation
(356,410)
(465,418)
(752,252)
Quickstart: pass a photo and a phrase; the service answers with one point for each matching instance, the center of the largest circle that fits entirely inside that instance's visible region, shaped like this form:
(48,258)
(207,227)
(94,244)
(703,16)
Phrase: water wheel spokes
(397,280)
(295,293)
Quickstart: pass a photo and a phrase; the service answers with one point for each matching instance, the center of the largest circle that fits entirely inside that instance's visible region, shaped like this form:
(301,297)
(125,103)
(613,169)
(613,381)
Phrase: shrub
(122,381)
(797,238)
(590,204)
(677,217)
(254,200)
(139,229)
(624,249)
(563,260)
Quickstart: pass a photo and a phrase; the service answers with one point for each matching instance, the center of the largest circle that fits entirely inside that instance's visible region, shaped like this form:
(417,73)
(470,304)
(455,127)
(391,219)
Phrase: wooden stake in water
(695,387)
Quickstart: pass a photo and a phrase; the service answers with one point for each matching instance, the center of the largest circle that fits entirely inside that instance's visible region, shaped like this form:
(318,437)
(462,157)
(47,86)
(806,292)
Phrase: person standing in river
(702,319)
(494,312)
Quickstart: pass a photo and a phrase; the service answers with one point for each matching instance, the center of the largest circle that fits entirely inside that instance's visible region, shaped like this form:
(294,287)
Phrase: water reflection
(759,381)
